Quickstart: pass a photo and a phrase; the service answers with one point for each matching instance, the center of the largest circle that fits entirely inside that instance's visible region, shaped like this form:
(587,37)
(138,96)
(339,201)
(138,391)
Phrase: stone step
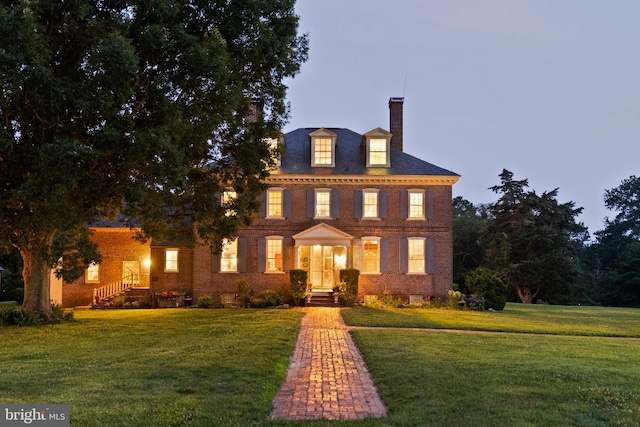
(322,299)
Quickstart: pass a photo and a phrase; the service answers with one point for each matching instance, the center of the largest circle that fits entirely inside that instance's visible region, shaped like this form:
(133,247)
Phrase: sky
(547,89)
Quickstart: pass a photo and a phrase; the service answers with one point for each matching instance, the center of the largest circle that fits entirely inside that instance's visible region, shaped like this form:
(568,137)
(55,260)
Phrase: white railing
(107,291)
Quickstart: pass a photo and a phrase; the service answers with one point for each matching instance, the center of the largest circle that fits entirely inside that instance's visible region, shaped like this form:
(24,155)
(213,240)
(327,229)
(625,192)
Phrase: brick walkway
(327,377)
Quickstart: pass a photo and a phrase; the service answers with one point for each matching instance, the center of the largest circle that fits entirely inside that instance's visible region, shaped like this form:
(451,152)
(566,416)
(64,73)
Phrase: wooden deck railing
(107,291)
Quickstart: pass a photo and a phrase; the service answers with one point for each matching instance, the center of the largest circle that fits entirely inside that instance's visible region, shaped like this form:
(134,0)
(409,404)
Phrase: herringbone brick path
(327,377)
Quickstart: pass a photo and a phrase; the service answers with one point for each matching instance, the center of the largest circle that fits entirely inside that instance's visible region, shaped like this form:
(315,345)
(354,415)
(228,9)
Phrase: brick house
(336,200)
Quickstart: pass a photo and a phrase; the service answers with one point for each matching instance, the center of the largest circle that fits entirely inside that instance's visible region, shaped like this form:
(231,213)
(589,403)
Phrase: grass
(537,319)
(188,367)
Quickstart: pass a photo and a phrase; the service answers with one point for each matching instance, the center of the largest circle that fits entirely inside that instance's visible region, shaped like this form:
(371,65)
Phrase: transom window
(274,203)
(416,204)
(229,256)
(416,255)
(274,254)
(378,151)
(323,204)
(370,203)
(171,260)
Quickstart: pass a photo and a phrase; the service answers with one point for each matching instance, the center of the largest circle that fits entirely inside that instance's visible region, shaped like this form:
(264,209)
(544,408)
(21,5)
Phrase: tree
(485,284)
(470,224)
(534,239)
(138,108)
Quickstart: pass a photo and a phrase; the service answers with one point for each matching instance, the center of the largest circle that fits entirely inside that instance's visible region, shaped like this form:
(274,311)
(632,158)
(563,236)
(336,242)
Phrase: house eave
(362,179)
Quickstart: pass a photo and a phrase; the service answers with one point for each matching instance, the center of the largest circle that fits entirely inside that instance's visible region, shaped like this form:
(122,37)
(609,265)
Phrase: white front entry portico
(323,251)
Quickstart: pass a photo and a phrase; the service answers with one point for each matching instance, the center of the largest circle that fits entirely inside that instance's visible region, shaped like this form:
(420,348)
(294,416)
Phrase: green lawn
(189,367)
(538,319)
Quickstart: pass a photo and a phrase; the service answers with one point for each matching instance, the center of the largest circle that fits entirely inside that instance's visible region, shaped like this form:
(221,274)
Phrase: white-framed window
(322,203)
(370,205)
(229,256)
(416,255)
(274,254)
(371,255)
(323,148)
(378,152)
(92,275)
(275,203)
(416,204)
(171,260)
(228,199)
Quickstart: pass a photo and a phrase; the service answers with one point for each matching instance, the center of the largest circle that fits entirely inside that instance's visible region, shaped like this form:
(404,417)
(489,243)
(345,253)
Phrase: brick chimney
(395,122)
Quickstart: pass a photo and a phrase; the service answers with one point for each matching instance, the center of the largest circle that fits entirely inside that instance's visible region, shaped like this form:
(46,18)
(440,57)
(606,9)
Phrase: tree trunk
(37,280)
(525,294)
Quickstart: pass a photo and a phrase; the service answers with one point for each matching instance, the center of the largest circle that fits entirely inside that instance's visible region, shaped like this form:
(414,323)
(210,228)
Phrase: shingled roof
(350,158)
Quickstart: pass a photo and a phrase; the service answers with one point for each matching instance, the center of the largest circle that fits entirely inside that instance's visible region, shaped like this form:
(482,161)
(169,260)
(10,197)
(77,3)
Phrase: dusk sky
(549,90)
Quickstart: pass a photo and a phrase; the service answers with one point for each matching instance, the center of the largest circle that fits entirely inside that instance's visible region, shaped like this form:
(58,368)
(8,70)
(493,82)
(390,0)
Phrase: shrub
(60,315)
(486,285)
(267,299)
(205,301)
(244,293)
(350,278)
(454,298)
(15,315)
(298,284)
(389,300)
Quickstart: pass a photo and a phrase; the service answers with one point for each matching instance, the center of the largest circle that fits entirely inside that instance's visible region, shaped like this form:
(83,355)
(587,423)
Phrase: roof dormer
(323,148)
(378,145)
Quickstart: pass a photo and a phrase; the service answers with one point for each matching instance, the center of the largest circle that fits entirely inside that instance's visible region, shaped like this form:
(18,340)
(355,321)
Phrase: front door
(324,266)
(131,273)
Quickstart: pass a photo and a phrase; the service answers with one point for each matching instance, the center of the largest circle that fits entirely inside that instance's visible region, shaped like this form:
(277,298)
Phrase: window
(323,152)
(171,260)
(274,254)
(323,204)
(370,204)
(93,273)
(274,203)
(378,152)
(229,256)
(371,258)
(323,145)
(228,200)
(416,204)
(416,255)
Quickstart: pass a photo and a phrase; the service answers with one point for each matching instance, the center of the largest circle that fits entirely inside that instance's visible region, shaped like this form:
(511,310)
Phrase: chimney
(395,122)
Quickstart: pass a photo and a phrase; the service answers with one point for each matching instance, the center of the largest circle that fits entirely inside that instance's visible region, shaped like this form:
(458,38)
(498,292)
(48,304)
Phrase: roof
(350,157)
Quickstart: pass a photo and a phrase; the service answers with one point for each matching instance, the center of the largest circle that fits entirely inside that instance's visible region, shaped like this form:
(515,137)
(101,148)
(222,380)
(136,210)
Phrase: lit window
(371,256)
(274,203)
(323,151)
(378,152)
(416,255)
(229,256)
(274,254)
(171,260)
(93,273)
(228,200)
(323,204)
(416,204)
(370,203)
(273,144)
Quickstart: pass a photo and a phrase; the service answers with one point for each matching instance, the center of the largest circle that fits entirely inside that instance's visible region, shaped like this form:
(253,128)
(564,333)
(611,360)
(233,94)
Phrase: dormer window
(323,148)
(377,143)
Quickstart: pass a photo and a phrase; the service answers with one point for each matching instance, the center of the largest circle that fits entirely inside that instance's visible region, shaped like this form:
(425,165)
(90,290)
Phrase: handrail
(112,289)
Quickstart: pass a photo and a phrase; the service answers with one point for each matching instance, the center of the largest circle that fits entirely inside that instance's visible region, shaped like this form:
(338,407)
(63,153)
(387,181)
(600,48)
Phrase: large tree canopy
(135,107)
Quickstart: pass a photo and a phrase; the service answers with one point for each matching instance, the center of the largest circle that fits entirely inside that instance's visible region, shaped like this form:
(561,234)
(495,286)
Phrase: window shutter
(242,254)
(404,256)
(263,204)
(428,195)
(382,204)
(286,253)
(384,255)
(286,199)
(335,203)
(358,254)
(431,256)
(311,196)
(357,199)
(215,263)
(404,204)
(262,255)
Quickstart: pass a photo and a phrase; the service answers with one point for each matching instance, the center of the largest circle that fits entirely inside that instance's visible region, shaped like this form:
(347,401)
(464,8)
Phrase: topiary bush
(485,284)
(298,284)
(349,291)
